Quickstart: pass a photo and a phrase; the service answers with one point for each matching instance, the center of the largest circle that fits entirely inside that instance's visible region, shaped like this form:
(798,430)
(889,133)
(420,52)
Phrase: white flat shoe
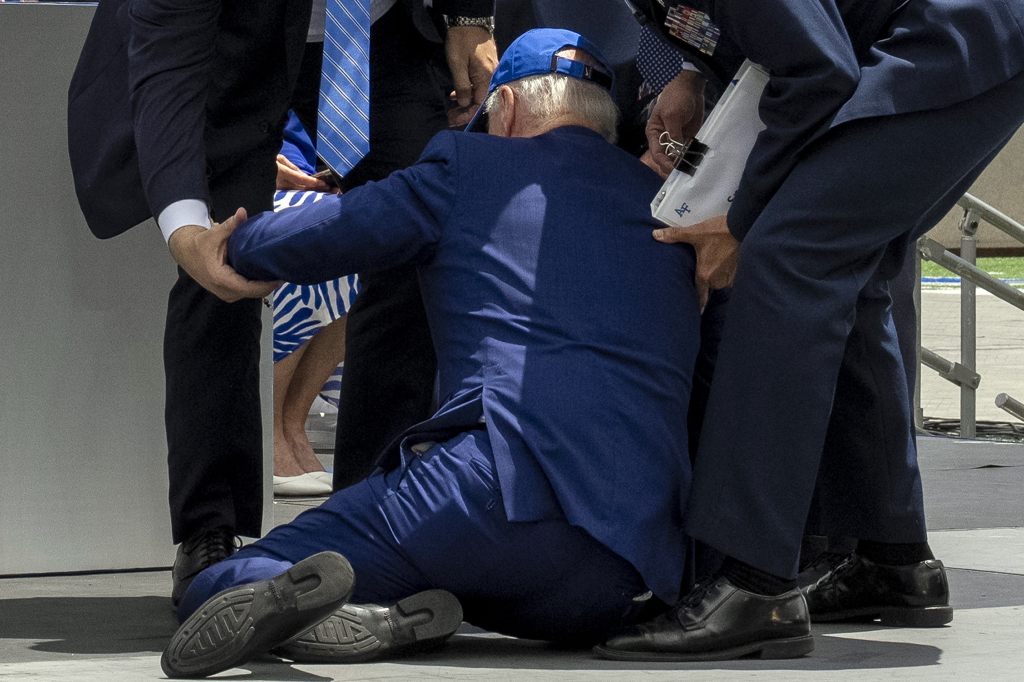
(325,476)
(322,408)
(310,484)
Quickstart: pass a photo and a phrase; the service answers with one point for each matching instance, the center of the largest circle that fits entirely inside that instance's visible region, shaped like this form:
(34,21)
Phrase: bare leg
(322,355)
(285,461)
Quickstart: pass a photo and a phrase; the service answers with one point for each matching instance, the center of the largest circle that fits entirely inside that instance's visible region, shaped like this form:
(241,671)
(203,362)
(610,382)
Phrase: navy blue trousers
(810,388)
(438,521)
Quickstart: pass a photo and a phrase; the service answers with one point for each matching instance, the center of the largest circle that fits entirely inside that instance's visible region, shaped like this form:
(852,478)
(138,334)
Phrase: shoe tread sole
(356,633)
(233,626)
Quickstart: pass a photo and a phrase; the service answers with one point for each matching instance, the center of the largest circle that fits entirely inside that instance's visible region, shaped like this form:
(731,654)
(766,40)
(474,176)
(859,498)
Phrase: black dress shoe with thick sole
(365,632)
(200,551)
(247,620)
(911,595)
(820,566)
(718,621)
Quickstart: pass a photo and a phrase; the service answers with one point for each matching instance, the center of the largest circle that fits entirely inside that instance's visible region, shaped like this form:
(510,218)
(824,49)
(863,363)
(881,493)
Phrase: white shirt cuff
(690,66)
(181,213)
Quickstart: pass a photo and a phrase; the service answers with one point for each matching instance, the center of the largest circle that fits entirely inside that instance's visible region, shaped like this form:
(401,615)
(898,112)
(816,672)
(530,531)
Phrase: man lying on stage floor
(543,499)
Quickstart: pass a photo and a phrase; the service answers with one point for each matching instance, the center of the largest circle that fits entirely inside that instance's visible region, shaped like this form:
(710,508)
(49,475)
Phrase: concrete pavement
(1000,347)
(106,628)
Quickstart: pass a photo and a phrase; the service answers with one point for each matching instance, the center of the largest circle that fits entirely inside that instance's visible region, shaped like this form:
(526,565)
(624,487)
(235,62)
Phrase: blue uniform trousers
(437,521)
(810,388)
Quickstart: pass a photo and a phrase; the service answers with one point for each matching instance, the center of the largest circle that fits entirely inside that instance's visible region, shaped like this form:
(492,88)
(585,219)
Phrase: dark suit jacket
(171,93)
(560,325)
(834,61)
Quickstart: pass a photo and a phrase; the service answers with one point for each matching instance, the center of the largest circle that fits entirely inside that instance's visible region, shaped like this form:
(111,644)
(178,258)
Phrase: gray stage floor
(1000,346)
(113,627)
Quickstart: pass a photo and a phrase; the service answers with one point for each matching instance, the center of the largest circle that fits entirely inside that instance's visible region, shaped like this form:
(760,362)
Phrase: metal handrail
(952,372)
(1008,404)
(964,373)
(992,216)
(937,253)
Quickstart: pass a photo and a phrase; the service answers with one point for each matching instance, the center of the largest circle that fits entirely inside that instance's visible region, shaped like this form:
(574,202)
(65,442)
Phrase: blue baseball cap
(535,53)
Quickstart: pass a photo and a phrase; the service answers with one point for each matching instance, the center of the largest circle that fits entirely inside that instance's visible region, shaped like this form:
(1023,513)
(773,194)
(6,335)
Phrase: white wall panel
(83,476)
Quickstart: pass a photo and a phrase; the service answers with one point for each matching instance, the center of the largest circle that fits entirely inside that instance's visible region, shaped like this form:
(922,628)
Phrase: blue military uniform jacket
(834,61)
(562,327)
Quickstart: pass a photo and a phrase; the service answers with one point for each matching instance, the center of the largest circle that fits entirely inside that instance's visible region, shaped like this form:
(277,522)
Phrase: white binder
(708,173)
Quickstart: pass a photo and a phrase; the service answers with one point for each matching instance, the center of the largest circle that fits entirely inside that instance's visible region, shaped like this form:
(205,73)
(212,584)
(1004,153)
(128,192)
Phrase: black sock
(746,577)
(894,553)
(811,549)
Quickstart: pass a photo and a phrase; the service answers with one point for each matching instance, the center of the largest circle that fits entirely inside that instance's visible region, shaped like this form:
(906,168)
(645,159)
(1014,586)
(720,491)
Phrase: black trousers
(389,358)
(818,536)
(211,363)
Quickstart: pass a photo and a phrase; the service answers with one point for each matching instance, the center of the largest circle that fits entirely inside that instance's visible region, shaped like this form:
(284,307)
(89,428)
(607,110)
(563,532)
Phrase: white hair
(551,95)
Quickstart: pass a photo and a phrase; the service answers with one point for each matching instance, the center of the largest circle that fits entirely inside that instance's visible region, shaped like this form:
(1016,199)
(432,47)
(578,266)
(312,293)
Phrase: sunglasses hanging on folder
(708,169)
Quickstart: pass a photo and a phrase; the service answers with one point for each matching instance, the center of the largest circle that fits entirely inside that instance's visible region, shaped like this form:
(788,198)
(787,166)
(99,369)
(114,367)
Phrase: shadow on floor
(89,625)
(275,670)
(140,625)
(143,625)
(832,653)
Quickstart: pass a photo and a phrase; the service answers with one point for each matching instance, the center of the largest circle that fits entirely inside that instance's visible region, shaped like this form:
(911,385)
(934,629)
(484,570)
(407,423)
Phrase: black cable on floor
(1012,432)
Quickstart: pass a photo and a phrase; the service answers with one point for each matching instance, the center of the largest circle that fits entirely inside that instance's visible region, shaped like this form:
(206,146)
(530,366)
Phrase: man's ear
(507,122)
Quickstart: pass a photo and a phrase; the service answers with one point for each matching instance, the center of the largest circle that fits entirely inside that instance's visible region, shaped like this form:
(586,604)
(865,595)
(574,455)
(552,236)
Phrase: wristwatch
(482,22)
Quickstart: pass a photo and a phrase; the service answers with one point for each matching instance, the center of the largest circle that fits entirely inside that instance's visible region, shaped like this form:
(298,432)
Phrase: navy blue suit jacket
(833,61)
(561,326)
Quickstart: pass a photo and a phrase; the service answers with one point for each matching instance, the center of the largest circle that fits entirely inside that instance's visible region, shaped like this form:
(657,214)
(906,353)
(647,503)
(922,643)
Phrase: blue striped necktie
(344,115)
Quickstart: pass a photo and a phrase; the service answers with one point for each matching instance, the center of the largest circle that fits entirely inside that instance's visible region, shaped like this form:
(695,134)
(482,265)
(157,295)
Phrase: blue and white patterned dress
(300,311)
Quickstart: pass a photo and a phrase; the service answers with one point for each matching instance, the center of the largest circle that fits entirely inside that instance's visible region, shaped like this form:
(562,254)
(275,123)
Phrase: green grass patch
(1001,267)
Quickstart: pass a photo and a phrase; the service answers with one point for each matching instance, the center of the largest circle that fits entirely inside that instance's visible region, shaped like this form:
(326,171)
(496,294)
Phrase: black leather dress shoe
(203,549)
(912,595)
(365,632)
(718,621)
(241,622)
(818,567)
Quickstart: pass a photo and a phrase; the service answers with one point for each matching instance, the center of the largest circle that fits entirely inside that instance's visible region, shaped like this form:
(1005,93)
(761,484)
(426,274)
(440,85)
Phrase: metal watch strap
(483,22)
